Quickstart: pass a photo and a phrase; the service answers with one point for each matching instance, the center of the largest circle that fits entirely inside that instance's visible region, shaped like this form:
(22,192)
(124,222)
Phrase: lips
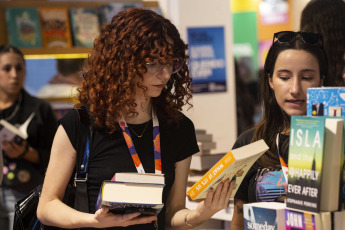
(161,86)
(295,101)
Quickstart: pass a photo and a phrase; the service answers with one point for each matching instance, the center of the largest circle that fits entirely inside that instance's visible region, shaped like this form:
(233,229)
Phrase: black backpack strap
(84,138)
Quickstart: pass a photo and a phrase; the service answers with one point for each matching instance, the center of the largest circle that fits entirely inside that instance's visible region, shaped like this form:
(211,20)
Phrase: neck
(6,100)
(144,110)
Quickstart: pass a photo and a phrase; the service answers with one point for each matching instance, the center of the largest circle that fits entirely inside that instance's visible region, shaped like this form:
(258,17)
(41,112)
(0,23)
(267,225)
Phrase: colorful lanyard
(282,162)
(133,151)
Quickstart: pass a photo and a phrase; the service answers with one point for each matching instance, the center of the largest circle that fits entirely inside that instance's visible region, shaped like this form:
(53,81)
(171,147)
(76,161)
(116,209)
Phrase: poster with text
(207,61)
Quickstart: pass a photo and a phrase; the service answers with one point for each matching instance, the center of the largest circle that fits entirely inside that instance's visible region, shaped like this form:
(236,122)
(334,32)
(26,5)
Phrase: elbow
(40,214)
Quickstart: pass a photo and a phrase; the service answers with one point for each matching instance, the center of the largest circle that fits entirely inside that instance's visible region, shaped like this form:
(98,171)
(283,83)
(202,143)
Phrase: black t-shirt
(244,193)
(109,154)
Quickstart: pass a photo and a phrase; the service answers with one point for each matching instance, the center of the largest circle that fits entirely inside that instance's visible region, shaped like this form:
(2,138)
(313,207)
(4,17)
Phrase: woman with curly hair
(137,77)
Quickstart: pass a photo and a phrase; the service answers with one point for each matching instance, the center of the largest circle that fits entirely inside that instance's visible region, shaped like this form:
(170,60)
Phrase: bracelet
(185,220)
(25,151)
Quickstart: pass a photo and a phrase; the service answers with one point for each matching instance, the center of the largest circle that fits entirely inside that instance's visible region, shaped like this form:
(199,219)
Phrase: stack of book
(132,192)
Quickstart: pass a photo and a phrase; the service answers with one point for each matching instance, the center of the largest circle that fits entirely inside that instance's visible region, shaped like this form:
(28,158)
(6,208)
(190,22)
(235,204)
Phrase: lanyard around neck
(156,145)
(282,162)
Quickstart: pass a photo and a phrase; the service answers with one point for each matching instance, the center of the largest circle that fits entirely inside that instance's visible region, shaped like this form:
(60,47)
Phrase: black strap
(84,138)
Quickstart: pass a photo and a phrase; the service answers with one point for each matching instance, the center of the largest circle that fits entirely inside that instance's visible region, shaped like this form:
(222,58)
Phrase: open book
(10,132)
(235,164)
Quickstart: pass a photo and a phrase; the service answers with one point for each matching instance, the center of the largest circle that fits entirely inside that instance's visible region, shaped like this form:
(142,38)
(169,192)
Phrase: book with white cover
(139,177)
(10,132)
(125,197)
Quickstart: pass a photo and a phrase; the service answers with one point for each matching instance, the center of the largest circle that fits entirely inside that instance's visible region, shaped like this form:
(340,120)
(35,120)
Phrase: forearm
(56,213)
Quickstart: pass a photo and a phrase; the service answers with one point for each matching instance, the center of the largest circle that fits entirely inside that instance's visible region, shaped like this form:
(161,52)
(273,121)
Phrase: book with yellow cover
(235,164)
(55,27)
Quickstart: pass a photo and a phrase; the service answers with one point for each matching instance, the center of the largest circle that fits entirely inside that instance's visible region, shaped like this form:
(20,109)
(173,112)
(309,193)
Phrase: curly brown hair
(124,46)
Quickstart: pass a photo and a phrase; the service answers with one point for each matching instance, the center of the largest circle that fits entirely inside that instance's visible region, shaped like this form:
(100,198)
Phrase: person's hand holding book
(104,219)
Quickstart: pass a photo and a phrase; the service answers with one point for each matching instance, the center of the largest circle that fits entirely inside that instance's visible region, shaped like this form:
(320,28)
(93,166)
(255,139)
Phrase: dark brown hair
(274,119)
(133,37)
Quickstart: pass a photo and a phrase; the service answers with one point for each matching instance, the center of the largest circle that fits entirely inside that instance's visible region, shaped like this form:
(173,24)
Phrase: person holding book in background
(136,77)
(296,61)
(327,18)
(25,161)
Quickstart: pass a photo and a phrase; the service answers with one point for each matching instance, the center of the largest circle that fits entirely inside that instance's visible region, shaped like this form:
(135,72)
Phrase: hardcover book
(23,27)
(128,197)
(55,27)
(85,26)
(235,164)
(326,101)
(139,177)
(314,163)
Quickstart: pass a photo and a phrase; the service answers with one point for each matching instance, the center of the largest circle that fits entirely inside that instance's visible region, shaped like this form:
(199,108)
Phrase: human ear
(321,80)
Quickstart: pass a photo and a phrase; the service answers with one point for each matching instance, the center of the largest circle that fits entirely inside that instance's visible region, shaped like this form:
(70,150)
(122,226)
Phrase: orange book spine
(211,175)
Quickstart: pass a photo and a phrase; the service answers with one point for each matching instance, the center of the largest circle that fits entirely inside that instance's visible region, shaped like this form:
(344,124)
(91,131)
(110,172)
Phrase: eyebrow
(303,70)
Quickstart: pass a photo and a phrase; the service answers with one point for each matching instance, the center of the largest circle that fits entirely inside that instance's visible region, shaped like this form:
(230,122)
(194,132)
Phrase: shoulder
(244,139)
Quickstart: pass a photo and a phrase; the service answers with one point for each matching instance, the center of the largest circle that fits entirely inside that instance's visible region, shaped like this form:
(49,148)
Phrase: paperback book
(23,27)
(10,132)
(234,165)
(55,27)
(108,11)
(85,26)
(326,101)
(314,163)
(264,215)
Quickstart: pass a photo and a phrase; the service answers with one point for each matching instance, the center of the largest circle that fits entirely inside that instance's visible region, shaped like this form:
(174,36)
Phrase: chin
(296,112)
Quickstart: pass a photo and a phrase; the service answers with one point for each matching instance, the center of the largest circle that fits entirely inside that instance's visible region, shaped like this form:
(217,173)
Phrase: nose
(13,72)
(164,73)
(295,85)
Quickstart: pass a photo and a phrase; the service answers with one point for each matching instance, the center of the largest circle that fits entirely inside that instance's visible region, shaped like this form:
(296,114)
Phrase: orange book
(235,164)
(55,27)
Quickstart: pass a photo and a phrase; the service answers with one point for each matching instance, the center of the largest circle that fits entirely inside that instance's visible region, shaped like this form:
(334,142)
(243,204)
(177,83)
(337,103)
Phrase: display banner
(207,61)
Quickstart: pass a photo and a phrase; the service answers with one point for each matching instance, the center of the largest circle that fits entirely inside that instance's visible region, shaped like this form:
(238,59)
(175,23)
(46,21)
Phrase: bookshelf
(54,3)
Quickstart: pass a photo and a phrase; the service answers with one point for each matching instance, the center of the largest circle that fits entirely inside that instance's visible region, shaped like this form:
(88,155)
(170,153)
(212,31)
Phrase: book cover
(55,27)
(326,101)
(108,11)
(264,215)
(85,26)
(23,27)
(235,164)
(313,179)
(127,197)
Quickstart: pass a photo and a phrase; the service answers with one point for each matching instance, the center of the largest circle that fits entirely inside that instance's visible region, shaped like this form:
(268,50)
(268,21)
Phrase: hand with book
(104,218)
(216,199)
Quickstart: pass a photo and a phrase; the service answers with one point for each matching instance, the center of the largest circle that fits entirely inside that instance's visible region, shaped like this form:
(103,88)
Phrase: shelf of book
(56,3)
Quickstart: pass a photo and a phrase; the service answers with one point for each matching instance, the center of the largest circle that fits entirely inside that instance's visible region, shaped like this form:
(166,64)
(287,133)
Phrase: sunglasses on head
(289,36)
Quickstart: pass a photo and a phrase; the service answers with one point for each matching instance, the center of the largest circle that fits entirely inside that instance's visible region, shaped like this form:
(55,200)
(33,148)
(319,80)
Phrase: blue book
(326,101)
(264,215)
